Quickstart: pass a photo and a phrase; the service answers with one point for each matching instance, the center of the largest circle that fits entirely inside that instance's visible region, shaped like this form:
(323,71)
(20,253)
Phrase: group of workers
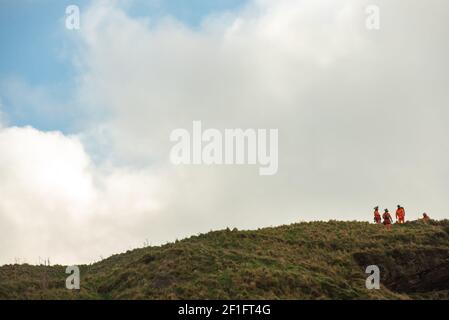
(388,220)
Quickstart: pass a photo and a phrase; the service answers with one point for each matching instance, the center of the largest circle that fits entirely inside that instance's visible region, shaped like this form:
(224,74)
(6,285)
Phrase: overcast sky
(86,115)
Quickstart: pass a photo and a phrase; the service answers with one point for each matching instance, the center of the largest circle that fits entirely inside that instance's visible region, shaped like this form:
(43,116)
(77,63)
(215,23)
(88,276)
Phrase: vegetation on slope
(316,260)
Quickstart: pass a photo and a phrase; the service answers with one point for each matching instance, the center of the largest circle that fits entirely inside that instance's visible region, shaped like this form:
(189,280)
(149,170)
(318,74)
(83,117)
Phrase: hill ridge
(307,260)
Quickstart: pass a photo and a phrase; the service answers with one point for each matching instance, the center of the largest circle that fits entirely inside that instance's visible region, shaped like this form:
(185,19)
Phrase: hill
(316,260)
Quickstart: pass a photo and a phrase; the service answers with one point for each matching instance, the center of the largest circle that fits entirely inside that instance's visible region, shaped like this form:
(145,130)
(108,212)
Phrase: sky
(86,115)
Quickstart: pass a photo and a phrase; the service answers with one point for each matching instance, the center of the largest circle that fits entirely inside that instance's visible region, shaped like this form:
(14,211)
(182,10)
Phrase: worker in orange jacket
(400,214)
(377,217)
(387,219)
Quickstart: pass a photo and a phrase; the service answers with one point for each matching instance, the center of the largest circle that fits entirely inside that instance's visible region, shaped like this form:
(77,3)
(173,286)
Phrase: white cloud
(56,203)
(361,118)
(355,112)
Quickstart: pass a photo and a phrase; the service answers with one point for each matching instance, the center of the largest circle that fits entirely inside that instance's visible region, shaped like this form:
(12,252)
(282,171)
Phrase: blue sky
(33,40)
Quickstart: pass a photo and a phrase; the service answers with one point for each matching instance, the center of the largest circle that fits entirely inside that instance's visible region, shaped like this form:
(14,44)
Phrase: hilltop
(315,260)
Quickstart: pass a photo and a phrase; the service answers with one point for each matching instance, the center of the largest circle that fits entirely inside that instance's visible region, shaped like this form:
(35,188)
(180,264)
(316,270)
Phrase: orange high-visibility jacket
(400,213)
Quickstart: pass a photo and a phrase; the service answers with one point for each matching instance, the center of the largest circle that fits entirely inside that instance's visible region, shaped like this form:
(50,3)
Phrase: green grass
(316,260)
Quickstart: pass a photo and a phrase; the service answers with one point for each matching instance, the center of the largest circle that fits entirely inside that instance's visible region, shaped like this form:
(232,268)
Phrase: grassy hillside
(317,260)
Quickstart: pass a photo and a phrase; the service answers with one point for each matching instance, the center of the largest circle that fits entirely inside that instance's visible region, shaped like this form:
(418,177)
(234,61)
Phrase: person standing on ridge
(425,217)
(387,219)
(377,217)
(400,215)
